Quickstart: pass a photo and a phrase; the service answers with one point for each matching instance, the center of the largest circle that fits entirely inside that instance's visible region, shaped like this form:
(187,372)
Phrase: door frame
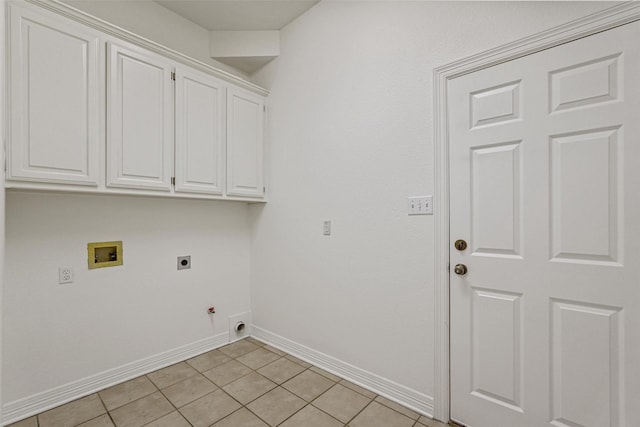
(576,29)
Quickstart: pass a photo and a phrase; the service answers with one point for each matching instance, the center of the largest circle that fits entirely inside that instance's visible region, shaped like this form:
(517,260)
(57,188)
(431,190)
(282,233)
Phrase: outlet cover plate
(65,275)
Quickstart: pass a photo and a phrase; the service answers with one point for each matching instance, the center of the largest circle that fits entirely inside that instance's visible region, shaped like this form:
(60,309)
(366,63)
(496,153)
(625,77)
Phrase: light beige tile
(325,374)
(276,406)
(258,358)
(29,422)
(241,418)
(308,385)
(355,387)
(311,416)
(188,390)
(377,415)
(298,361)
(430,422)
(255,341)
(208,360)
(281,370)
(275,350)
(249,387)
(101,421)
(73,413)
(341,403)
(209,409)
(126,392)
(396,407)
(174,419)
(227,373)
(238,348)
(142,411)
(171,374)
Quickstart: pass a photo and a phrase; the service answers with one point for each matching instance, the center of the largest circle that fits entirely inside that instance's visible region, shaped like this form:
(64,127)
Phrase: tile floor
(244,384)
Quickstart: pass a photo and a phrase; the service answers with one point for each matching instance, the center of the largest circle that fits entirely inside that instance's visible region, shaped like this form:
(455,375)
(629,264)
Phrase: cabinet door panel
(140,121)
(199,125)
(245,144)
(55,98)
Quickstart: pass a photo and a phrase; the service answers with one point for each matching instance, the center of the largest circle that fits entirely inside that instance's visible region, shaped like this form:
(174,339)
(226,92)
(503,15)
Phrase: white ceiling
(239,15)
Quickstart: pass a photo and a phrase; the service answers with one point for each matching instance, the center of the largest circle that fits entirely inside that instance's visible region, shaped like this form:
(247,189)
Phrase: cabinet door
(54,100)
(245,144)
(140,122)
(199,137)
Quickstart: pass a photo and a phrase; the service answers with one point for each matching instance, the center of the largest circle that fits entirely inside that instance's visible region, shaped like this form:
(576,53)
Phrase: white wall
(155,22)
(350,134)
(55,334)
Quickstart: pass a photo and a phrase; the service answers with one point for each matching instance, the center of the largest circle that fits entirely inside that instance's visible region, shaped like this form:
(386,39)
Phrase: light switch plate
(420,205)
(326,228)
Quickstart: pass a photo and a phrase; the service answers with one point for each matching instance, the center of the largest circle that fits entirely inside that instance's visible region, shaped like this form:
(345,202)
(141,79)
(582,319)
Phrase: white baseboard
(405,396)
(28,406)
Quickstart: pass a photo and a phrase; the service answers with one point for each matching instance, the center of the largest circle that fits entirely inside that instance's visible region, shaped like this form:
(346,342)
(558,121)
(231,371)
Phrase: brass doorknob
(460,269)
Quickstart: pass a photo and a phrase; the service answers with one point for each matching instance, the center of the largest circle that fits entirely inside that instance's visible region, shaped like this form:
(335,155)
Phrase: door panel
(496,199)
(544,187)
(586,356)
(573,193)
(497,347)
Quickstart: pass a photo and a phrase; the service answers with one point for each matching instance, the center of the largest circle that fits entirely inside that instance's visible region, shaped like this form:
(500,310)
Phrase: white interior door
(545,188)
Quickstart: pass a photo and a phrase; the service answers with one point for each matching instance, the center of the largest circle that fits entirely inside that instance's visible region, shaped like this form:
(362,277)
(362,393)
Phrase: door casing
(579,28)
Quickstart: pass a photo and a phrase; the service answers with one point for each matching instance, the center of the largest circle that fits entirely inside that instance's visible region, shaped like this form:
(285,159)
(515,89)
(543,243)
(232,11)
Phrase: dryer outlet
(239,326)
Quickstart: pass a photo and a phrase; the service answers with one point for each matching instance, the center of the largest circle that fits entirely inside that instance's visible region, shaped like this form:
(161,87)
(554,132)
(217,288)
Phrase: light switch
(326,228)
(420,205)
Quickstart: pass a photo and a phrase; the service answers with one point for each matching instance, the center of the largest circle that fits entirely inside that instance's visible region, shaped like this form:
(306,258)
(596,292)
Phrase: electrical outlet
(65,275)
(184,262)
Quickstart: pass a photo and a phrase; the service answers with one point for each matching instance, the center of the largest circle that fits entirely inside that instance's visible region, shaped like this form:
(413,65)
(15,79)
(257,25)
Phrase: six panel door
(54,99)
(545,187)
(140,120)
(199,133)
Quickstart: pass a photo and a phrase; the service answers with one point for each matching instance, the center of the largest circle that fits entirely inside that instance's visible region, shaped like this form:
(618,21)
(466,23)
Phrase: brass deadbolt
(460,245)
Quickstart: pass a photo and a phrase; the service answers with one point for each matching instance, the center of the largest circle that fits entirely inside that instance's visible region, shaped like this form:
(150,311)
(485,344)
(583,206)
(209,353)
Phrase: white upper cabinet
(245,144)
(140,119)
(95,109)
(54,99)
(199,144)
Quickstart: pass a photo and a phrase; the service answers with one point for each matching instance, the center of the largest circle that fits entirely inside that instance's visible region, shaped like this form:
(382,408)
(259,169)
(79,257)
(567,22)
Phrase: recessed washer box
(104,254)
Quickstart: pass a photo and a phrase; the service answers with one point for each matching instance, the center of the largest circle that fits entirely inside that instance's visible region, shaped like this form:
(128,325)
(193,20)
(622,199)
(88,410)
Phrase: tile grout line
(234,354)
(105,408)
